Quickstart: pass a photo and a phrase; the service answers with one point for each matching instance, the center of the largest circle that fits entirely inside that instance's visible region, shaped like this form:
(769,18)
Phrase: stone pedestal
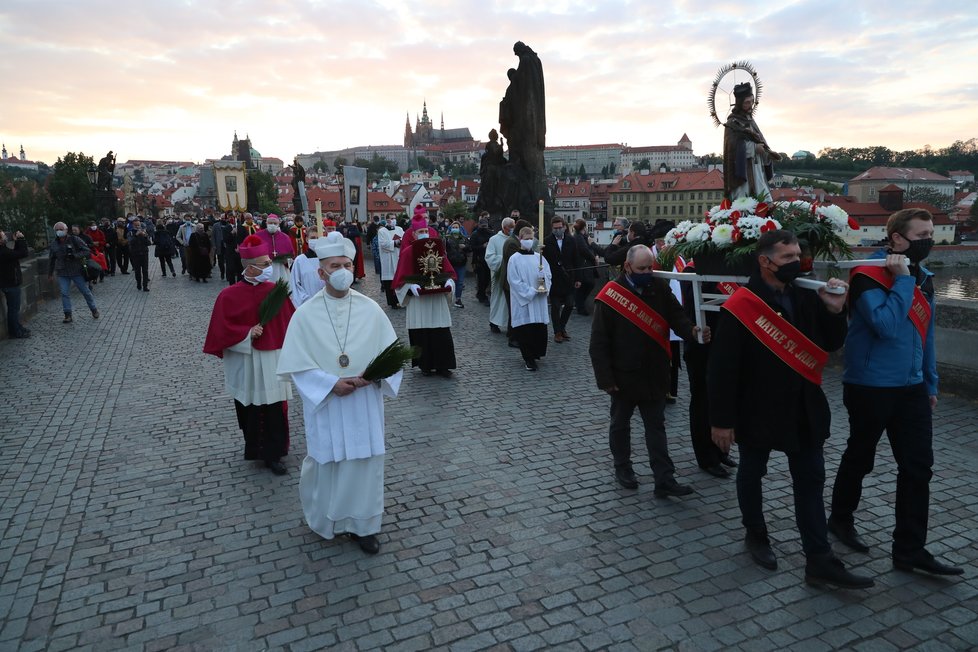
(106,205)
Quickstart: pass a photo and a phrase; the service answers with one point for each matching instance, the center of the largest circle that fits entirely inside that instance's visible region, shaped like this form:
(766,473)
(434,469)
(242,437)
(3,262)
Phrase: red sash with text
(725,287)
(778,335)
(627,304)
(919,312)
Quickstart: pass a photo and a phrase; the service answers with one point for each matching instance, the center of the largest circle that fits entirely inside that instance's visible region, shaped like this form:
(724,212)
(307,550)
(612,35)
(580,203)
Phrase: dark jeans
(122,258)
(905,414)
(707,453)
(674,367)
(219,257)
(582,293)
(620,439)
(140,267)
(12,296)
(183,258)
(807,468)
(483,279)
(110,257)
(561,308)
(164,261)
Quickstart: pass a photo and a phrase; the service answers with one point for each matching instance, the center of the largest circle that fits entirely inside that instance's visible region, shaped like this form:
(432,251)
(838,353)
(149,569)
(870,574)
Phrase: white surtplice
(497,300)
(304,280)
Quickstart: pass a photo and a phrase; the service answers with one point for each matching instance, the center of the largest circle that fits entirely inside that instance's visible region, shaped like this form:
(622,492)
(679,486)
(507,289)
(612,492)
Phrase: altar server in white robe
(389,245)
(332,339)
(498,310)
(304,278)
(528,306)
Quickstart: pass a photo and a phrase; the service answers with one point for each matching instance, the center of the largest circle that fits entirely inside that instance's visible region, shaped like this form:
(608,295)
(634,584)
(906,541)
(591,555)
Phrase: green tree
(266,191)
(339,163)
(378,166)
(944,203)
(24,206)
(973,216)
(457,210)
(582,172)
(425,164)
(319,166)
(71,193)
(644,164)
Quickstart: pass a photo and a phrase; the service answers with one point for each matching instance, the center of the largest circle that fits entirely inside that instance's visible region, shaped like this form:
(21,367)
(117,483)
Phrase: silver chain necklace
(344,359)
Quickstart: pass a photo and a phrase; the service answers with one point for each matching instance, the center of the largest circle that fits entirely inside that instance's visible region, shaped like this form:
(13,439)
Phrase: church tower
(234,145)
(408,136)
(22,156)
(3,156)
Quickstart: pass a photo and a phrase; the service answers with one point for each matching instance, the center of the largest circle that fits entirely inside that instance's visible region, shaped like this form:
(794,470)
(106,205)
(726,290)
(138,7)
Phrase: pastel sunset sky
(174,79)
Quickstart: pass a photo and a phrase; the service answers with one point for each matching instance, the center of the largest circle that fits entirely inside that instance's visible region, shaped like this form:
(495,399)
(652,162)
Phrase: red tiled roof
(651,148)
(960,173)
(670,181)
(872,214)
(890,188)
(564,189)
(605,146)
(881,173)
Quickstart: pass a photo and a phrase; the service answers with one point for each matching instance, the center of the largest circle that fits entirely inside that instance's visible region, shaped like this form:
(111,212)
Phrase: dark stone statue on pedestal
(521,182)
(298,186)
(106,203)
(106,168)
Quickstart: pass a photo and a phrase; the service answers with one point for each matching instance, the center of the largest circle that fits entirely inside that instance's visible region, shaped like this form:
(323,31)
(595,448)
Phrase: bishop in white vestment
(331,340)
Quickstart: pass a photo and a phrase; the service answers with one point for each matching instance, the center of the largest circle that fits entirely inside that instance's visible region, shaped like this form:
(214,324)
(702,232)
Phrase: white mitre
(334,244)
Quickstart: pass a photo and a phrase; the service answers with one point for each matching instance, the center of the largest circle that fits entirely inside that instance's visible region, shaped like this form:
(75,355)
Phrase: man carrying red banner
(630,354)
(764,389)
(890,383)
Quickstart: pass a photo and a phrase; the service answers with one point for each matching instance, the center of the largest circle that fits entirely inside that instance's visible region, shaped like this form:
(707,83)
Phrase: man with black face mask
(890,383)
(630,354)
(764,391)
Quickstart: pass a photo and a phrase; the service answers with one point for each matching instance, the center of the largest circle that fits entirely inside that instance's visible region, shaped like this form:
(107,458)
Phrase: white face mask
(422,234)
(272,228)
(527,244)
(266,275)
(341,279)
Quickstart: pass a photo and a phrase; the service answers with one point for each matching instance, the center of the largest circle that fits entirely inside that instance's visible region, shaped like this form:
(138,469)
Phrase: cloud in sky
(174,79)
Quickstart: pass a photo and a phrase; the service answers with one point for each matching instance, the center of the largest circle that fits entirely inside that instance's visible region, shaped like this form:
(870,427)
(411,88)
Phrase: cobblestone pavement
(130,519)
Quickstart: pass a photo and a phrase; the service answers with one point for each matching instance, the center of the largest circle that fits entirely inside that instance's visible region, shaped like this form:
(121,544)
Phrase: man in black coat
(565,260)
(632,365)
(10,279)
(478,242)
(763,395)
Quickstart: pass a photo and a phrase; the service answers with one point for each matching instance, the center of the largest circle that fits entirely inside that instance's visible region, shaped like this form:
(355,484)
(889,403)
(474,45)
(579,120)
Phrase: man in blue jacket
(890,383)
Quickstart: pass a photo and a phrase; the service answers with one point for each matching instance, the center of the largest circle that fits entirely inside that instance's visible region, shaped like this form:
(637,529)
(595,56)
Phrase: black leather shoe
(626,478)
(728,461)
(369,544)
(826,569)
(759,547)
(513,344)
(846,534)
(672,488)
(276,467)
(494,329)
(717,471)
(924,561)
